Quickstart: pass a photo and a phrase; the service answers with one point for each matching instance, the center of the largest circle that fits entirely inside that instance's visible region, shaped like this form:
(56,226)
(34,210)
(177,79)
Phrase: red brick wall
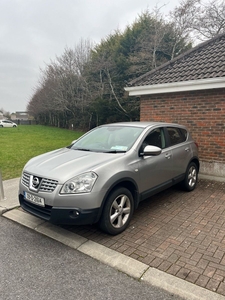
(203,112)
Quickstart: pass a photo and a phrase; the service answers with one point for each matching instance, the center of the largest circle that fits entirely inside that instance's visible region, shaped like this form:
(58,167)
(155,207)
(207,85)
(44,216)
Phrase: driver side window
(155,138)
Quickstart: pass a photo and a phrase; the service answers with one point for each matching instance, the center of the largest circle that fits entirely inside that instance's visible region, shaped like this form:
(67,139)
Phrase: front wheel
(191,177)
(117,211)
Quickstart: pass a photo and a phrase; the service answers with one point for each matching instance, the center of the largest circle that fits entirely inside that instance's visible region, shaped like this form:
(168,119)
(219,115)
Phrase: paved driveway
(180,233)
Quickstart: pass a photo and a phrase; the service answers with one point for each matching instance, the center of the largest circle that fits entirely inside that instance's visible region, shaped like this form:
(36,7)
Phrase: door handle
(167,155)
(187,149)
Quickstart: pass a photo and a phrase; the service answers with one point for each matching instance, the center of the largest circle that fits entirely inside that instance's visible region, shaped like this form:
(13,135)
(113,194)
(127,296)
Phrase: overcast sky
(33,32)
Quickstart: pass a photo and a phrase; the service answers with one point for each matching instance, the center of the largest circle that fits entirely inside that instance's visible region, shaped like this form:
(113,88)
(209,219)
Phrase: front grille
(26,179)
(46,185)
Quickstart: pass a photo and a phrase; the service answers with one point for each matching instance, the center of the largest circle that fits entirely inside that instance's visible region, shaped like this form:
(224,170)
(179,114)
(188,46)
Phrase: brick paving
(177,232)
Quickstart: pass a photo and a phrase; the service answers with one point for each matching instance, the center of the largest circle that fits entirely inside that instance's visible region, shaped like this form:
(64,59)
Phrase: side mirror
(152,151)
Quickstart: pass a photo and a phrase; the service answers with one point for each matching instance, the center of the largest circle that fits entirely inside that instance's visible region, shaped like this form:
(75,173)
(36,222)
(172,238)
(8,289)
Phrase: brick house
(190,90)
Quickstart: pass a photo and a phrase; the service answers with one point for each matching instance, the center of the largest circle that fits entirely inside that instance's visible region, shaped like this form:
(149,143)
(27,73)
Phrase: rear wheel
(117,211)
(191,177)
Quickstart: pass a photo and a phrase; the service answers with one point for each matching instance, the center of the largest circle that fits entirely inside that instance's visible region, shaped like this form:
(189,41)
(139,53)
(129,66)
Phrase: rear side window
(184,132)
(176,135)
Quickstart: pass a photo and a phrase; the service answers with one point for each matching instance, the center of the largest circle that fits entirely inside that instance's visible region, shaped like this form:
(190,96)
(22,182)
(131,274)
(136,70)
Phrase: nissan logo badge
(35,182)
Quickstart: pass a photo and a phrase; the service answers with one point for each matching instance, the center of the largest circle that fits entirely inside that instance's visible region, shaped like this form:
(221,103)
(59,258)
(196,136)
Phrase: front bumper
(61,215)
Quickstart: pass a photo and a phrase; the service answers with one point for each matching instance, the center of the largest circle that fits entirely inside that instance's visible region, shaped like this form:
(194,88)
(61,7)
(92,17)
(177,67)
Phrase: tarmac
(97,245)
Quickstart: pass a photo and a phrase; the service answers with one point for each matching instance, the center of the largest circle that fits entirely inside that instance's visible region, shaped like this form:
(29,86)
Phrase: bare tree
(63,89)
(5,113)
(210,20)
(160,30)
(197,20)
(181,21)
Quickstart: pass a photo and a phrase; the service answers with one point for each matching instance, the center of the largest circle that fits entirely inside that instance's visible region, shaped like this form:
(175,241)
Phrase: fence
(25,122)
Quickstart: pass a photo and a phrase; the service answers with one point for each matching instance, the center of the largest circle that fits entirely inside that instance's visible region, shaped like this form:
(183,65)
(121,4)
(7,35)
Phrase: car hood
(65,163)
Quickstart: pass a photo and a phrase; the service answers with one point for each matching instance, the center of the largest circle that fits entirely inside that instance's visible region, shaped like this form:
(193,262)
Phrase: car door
(181,150)
(6,124)
(155,171)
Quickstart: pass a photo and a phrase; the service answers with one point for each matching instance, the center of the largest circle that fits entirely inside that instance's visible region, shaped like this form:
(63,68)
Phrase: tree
(85,85)
(63,89)
(210,20)
(5,113)
(181,22)
(196,20)
(108,68)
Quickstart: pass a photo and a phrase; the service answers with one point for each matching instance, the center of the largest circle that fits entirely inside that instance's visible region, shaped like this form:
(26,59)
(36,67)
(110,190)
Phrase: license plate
(34,199)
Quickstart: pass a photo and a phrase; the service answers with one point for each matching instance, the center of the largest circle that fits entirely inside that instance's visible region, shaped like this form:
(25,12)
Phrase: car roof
(144,124)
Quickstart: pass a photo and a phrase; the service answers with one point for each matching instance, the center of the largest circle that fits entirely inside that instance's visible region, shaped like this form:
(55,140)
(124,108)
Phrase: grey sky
(32,32)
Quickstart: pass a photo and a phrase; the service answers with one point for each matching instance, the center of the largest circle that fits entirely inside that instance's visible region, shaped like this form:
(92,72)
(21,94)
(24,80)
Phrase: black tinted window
(184,132)
(176,135)
(155,138)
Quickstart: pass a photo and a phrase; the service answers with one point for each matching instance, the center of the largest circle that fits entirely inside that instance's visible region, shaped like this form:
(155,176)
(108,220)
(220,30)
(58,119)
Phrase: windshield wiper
(115,151)
(82,149)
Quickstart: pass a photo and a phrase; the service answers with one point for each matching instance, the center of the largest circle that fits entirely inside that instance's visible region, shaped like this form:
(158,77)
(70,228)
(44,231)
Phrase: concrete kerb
(138,270)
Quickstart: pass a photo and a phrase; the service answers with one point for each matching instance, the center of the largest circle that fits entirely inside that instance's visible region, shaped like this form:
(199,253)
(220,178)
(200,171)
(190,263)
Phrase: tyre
(191,177)
(117,211)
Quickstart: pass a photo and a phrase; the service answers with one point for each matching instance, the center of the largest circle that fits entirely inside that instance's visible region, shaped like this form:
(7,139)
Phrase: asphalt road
(33,266)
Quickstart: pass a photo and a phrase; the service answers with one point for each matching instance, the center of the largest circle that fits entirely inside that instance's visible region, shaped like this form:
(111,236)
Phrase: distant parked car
(104,175)
(7,123)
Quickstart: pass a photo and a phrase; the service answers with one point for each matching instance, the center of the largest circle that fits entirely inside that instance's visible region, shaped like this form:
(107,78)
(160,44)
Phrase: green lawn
(18,145)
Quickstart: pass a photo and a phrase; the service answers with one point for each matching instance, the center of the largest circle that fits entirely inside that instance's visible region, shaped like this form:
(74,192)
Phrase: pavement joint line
(112,258)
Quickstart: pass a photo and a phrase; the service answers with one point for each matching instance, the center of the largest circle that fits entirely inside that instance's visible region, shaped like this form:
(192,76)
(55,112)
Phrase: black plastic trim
(61,215)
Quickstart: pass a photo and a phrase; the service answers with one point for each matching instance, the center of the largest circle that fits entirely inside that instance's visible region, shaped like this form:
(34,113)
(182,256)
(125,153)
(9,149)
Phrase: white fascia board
(192,85)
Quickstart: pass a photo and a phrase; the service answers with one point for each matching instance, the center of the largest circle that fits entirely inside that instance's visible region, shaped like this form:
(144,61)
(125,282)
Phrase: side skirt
(161,187)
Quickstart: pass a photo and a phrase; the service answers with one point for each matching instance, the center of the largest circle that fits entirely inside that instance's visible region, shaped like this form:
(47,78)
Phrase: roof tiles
(206,60)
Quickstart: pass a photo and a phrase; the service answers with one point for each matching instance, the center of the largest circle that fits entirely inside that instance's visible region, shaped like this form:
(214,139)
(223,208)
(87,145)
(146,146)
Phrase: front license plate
(34,199)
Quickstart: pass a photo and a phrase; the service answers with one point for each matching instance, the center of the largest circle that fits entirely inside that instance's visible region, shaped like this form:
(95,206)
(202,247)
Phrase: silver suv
(104,175)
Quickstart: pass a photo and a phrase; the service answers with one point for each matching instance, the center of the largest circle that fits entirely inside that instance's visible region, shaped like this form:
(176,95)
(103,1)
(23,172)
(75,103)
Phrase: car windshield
(109,139)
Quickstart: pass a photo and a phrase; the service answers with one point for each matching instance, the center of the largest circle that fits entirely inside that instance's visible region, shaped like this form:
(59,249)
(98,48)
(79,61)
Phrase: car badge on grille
(34,183)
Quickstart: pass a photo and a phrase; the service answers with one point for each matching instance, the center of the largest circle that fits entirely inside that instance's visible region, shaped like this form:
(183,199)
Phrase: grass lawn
(18,145)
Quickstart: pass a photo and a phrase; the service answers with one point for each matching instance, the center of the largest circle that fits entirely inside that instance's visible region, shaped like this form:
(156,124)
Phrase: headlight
(80,184)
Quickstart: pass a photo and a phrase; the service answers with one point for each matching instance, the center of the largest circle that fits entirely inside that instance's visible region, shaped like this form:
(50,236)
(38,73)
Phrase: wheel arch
(128,183)
(196,161)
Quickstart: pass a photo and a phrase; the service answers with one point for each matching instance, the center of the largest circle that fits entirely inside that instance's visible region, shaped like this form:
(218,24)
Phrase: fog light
(74,214)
